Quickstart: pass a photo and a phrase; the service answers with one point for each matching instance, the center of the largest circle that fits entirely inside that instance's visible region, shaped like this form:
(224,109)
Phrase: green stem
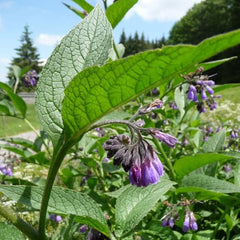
(19,223)
(115,50)
(218,225)
(171,89)
(56,163)
(166,159)
(38,134)
(105,4)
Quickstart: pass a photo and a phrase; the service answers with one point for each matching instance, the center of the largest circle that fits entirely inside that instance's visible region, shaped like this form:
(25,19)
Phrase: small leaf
(86,45)
(21,141)
(62,201)
(79,13)
(118,9)
(9,232)
(185,165)
(84,4)
(215,142)
(209,183)
(134,204)
(18,102)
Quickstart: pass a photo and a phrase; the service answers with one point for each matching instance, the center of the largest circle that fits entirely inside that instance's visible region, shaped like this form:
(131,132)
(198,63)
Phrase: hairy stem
(56,163)
(39,135)
(166,159)
(19,223)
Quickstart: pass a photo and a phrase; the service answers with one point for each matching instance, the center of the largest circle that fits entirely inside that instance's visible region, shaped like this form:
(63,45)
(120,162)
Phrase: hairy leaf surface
(86,45)
(63,201)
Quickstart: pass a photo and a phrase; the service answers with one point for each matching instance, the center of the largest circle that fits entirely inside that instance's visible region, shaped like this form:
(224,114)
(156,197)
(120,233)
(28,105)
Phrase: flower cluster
(139,158)
(30,78)
(55,218)
(198,88)
(6,170)
(169,219)
(189,222)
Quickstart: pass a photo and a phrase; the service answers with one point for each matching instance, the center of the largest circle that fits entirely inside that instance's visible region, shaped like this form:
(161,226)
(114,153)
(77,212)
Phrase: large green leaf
(18,102)
(215,142)
(118,9)
(188,164)
(209,183)
(86,45)
(9,232)
(203,194)
(62,201)
(134,203)
(97,91)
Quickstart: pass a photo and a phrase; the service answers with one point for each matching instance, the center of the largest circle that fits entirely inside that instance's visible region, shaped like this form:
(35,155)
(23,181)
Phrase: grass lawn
(228,108)
(12,126)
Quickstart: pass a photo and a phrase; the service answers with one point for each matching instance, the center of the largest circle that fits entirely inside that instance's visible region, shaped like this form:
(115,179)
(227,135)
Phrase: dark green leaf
(225,86)
(86,45)
(118,9)
(62,201)
(203,195)
(188,164)
(134,203)
(18,102)
(209,183)
(84,4)
(4,109)
(98,90)
(215,143)
(9,232)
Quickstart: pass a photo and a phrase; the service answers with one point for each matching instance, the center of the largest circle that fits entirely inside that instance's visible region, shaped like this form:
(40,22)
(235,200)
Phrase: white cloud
(48,39)
(162,10)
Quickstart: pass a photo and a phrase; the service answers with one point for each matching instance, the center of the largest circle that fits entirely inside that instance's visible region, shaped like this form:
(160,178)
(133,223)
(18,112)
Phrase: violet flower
(169,221)
(164,137)
(83,228)
(189,222)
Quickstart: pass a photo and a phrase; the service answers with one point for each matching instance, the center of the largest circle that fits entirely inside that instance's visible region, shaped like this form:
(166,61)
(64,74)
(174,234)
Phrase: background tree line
(203,20)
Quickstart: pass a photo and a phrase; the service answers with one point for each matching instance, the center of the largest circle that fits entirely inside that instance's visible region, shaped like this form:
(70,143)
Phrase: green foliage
(62,201)
(96,91)
(134,203)
(118,9)
(17,101)
(8,230)
(192,28)
(85,86)
(84,46)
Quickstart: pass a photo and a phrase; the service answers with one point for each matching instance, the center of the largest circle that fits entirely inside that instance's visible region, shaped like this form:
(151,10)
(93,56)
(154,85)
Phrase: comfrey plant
(87,101)
(199,85)
(139,157)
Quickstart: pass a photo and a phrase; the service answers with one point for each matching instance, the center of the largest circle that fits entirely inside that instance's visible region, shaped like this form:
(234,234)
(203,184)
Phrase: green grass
(12,126)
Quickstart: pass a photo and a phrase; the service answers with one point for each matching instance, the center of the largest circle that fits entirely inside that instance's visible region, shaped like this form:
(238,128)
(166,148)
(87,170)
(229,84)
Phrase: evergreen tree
(27,55)
(204,20)
(123,38)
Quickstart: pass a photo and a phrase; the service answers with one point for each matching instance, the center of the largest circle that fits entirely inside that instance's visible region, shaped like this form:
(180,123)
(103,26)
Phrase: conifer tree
(27,55)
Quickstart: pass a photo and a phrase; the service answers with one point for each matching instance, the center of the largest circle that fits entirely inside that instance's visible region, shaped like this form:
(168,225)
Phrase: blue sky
(50,20)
